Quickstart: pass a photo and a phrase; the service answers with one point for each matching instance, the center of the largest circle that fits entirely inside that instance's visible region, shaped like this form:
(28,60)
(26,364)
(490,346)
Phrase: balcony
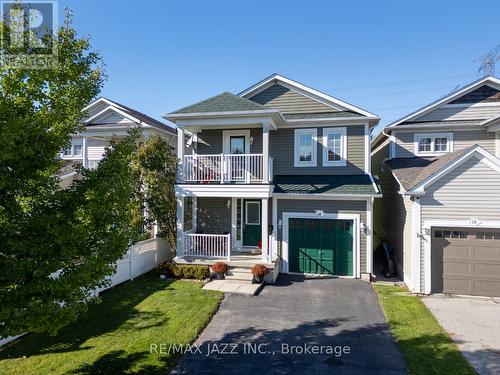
(226,168)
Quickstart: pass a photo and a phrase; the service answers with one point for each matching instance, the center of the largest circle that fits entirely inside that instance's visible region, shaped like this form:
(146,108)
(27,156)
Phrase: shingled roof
(225,102)
(327,184)
(412,171)
(144,118)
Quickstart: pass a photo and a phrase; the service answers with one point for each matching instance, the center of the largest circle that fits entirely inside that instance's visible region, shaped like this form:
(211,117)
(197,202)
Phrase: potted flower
(220,268)
(258,272)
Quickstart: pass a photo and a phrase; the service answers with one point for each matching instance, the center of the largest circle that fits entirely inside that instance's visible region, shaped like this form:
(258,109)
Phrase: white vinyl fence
(139,259)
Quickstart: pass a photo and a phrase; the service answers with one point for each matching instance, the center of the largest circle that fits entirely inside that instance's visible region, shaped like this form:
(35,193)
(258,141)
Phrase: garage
(465,261)
(320,246)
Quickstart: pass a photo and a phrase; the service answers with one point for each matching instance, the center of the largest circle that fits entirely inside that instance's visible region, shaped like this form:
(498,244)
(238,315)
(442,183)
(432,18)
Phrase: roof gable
(225,102)
(484,94)
(489,81)
(289,101)
(322,99)
(106,111)
(415,174)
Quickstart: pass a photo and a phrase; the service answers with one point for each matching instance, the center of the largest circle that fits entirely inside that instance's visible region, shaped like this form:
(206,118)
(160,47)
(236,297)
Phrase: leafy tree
(43,229)
(156,164)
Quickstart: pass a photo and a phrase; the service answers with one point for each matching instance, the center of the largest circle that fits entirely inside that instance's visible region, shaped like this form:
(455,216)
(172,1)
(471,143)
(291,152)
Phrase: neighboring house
(279,174)
(105,119)
(439,170)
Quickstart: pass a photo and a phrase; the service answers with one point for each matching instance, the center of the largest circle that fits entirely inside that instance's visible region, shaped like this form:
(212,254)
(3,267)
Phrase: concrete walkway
(233,286)
(312,326)
(474,324)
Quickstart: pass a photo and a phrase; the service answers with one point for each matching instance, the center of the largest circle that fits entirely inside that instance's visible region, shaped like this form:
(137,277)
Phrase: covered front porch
(224,228)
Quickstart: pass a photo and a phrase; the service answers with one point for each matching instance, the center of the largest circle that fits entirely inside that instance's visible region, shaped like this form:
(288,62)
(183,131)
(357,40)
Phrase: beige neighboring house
(439,170)
(105,119)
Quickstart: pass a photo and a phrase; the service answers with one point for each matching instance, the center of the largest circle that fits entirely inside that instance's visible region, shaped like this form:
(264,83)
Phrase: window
(77,150)
(433,143)
(424,144)
(441,144)
(252,213)
(67,151)
(450,234)
(305,148)
(334,146)
(74,149)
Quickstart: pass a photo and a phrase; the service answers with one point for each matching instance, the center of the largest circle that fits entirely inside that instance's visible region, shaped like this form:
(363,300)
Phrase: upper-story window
(305,150)
(72,150)
(334,147)
(428,144)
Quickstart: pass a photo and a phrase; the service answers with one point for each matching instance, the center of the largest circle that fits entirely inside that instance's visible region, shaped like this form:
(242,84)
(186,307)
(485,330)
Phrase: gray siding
(391,214)
(281,148)
(403,145)
(289,101)
(461,113)
(480,137)
(214,138)
(213,216)
(461,139)
(348,207)
(471,190)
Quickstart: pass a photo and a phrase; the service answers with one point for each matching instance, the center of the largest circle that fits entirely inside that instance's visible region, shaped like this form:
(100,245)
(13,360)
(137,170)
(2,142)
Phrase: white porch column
(369,236)
(264,226)
(181,142)
(265,152)
(84,152)
(180,225)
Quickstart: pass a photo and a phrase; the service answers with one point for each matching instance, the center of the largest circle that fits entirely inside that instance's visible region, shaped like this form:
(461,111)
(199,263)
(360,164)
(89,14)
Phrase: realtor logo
(27,34)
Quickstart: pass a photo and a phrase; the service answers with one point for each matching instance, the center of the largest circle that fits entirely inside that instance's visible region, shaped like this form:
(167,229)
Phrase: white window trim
(343,147)
(226,137)
(314,159)
(72,155)
(433,136)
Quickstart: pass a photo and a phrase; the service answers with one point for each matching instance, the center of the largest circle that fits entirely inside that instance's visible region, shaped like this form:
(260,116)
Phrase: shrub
(186,271)
(259,270)
(220,267)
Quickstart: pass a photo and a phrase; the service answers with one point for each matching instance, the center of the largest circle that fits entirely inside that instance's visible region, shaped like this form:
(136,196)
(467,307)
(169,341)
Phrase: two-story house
(439,171)
(278,174)
(103,120)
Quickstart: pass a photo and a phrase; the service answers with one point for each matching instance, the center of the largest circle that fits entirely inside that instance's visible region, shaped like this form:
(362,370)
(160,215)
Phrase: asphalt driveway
(474,324)
(312,326)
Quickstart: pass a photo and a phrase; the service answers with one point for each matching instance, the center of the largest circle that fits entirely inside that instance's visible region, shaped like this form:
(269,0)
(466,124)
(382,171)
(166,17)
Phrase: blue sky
(389,57)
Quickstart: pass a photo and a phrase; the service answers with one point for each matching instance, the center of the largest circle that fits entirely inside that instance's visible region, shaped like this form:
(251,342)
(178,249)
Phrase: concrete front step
(233,286)
(243,275)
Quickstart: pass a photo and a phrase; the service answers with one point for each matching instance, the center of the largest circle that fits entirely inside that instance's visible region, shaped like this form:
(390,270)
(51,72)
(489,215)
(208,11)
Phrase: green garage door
(320,246)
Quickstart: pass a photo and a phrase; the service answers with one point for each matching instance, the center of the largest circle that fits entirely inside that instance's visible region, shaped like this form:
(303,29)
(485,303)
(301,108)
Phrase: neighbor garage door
(320,246)
(466,261)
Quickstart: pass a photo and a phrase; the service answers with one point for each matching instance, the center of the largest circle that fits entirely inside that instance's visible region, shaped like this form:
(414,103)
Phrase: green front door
(251,223)
(320,246)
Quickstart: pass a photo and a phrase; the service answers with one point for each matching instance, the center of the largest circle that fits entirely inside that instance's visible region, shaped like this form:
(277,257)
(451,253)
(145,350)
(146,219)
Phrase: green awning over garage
(330,184)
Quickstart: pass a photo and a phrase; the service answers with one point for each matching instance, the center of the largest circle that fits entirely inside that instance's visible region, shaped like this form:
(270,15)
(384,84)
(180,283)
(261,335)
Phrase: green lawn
(114,337)
(427,347)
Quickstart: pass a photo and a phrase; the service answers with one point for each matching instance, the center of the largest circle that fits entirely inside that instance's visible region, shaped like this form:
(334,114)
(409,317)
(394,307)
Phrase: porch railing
(207,245)
(247,168)
(92,163)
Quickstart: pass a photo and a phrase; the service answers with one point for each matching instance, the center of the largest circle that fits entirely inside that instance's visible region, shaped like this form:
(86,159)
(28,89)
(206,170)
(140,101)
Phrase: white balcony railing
(247,168)
(92,163)
(207,245)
